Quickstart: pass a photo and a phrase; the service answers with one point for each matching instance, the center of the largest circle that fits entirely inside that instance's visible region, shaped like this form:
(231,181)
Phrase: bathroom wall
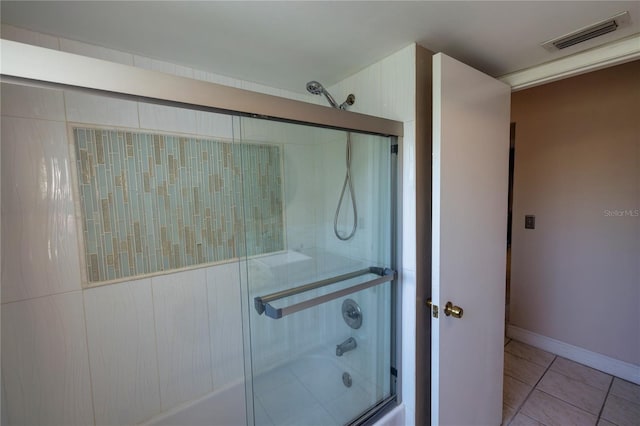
(575,278)
(161,337)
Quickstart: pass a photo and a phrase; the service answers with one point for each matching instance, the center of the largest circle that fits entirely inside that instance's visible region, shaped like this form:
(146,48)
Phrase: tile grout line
(86,338)
(605,400)
(560,399)
(80,290)
(582,384)
(568,403)
(598,416)
(532,389)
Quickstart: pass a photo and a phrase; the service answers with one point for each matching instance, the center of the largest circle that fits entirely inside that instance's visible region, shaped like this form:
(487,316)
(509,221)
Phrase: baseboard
(622,369)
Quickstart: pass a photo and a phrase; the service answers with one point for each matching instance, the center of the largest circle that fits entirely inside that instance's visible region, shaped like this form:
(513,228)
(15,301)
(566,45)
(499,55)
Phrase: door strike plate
(434,308)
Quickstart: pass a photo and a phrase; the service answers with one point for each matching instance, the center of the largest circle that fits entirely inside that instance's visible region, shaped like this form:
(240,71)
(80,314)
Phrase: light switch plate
(530,222)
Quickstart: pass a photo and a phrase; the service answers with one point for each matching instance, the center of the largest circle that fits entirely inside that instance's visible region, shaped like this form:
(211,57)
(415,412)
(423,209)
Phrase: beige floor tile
(515,391)
(521,369)
(573,391)
(535,355)
(603,422)
(582,373)
(621,411)
(627,390)
(554,412)
(522,420)
(507,414)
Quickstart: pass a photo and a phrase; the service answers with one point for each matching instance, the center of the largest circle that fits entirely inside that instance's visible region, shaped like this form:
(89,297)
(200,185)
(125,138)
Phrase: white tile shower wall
(390,93)
(32,102)
(214,125)
(370,361)
(162,66)
(369,173)
(45,365)
(40,233)
(310,181)
(86,108)
(409,197)
(301,195)
(40,251)
(225,323)
(122,352)
(384,89)
(169,119)
(182,327)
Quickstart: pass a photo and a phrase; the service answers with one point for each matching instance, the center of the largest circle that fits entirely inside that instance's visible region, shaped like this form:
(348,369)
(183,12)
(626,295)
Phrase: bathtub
(306,391)
(225,407)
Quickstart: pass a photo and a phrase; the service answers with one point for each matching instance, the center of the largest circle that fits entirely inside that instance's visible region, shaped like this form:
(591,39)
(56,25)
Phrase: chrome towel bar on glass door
(262,302)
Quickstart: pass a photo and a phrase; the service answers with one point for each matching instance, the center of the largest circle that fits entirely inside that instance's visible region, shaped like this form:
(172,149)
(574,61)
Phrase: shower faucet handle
(352,314)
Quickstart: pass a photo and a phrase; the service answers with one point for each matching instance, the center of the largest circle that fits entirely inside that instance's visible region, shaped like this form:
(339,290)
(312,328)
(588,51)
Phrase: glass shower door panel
(305,287)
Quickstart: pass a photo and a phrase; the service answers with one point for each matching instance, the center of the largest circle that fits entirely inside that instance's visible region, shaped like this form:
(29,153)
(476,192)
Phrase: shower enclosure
(212,287)
(321,318)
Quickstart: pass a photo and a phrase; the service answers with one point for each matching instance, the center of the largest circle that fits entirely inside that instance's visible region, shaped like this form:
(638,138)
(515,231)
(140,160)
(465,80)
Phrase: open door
(470,185)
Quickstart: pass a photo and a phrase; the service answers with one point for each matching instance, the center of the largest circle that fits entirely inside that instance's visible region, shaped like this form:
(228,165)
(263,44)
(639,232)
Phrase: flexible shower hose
(347,182)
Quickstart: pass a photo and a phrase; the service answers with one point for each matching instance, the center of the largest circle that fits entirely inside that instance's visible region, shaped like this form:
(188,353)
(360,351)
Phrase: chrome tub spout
(346,346)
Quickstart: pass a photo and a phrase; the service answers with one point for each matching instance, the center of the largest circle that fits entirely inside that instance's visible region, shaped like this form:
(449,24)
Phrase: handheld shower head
(316,88)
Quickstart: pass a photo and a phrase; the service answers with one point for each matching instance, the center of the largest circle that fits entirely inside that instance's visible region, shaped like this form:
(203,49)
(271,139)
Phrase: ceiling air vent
(587,33)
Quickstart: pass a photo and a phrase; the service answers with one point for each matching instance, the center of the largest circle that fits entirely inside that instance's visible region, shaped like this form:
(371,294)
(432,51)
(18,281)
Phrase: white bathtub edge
(184,407)
(394,417)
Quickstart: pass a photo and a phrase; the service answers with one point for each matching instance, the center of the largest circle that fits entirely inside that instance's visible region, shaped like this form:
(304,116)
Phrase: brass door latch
(449,309)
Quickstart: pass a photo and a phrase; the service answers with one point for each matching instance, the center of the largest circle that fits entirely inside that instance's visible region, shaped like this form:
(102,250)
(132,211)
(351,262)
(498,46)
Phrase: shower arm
(331,100)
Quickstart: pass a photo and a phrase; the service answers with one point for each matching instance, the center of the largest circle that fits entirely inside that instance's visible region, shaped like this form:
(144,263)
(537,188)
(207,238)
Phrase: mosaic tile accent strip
(154,202)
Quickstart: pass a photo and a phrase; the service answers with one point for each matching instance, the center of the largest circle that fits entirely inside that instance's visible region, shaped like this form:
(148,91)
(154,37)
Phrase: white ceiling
(285,44)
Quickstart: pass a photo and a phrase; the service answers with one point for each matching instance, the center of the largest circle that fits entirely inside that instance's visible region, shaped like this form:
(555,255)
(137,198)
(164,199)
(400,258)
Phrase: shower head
(316,88)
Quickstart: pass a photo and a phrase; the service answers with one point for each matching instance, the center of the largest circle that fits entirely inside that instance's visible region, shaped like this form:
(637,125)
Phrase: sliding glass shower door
(317,274)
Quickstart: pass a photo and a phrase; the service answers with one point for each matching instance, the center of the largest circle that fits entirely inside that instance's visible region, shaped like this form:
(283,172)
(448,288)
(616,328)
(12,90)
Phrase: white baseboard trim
(622,369)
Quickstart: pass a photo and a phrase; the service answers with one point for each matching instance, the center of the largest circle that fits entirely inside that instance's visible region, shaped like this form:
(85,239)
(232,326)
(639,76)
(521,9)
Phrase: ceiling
(285,44)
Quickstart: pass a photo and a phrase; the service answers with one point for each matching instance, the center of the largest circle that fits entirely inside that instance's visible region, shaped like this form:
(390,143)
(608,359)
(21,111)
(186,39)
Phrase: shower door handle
(262,303)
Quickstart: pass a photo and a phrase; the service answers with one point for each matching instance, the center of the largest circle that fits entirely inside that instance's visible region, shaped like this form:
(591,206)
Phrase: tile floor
(541,388)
